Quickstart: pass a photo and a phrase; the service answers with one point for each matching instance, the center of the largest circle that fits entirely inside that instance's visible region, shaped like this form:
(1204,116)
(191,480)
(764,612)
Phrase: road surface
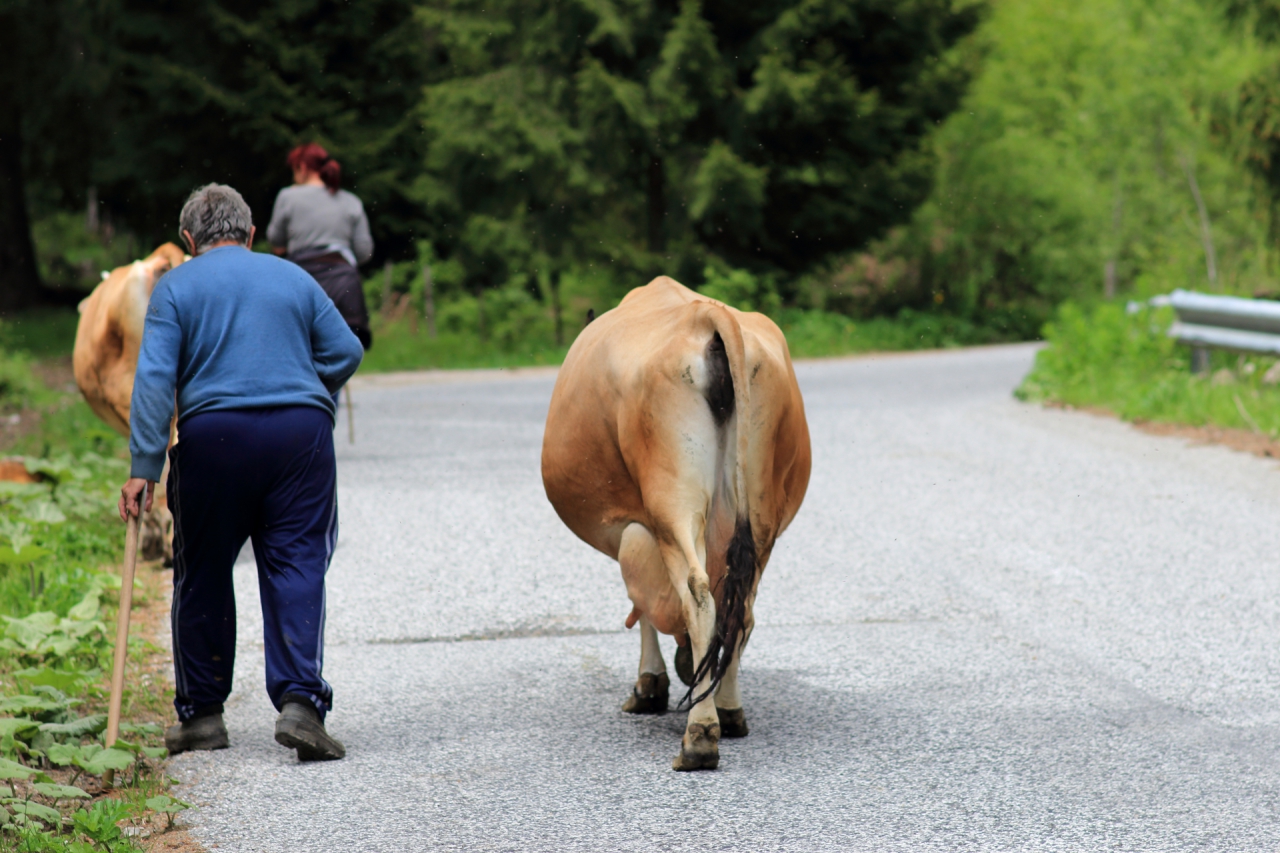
(992,626)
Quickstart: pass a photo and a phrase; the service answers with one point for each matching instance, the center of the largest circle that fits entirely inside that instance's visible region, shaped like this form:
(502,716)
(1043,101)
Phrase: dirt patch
(1259,444)
(1243,440)
(176,839)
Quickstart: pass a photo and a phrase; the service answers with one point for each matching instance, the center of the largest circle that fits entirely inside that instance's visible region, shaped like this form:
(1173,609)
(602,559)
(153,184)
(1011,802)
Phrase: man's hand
(132,493)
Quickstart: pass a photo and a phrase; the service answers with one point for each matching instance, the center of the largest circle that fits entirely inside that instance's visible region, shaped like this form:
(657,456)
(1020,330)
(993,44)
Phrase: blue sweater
(234,329)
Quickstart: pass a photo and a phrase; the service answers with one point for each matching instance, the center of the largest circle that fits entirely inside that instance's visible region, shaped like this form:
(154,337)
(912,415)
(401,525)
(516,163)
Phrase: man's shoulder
(234,262)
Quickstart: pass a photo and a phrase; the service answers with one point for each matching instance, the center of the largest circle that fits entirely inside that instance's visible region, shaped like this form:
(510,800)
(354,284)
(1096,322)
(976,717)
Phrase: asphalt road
(992,627)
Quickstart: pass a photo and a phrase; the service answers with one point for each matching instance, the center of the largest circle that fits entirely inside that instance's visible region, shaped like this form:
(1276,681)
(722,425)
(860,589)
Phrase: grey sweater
(310,217)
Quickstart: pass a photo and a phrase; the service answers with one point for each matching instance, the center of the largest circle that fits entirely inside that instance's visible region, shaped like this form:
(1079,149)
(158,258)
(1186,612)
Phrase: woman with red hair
(323,229)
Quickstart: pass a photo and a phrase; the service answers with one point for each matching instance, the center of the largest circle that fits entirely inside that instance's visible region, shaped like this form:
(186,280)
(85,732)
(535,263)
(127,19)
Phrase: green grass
(68,425)
(397,347)
(810,334)
(816,334)
(1103,357)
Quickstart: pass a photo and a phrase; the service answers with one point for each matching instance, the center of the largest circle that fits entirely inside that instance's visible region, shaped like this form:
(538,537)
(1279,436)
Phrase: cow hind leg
(733,721)
(652,688)
(647,583)
(700,746)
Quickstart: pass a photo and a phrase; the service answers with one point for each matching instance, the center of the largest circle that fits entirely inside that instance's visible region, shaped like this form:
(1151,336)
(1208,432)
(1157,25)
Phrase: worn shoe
(207,732)
(299,727)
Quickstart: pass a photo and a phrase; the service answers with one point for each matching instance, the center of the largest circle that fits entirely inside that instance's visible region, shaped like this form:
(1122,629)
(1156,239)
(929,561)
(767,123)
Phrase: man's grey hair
(215,213)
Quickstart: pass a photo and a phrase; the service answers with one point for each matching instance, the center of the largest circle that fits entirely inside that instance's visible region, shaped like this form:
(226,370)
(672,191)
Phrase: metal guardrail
(1222,322)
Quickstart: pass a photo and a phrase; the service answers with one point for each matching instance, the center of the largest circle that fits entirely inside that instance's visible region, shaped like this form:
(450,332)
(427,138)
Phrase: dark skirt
(341,282)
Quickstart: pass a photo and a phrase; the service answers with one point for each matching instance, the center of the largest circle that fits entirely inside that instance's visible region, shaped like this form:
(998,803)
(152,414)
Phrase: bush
(72,257)
(741,289)
(1072,155)
(1104,357)
(19,387)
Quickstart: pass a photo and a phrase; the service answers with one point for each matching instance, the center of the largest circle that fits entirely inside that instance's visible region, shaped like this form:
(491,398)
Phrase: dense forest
(976,160)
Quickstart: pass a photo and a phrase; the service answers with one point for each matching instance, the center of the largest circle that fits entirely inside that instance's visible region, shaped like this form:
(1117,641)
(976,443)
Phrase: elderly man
(253,349)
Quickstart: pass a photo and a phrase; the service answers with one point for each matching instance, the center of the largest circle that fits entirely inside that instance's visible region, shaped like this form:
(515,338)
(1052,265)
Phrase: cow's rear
(676,443)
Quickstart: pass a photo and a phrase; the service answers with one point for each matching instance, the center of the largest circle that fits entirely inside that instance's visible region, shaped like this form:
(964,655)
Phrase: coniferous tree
(222,89)
(647,134)
(52,76)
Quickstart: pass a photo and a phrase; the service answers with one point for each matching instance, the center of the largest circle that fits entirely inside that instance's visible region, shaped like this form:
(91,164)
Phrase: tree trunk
(1206,233)
(19,277)
(657,205)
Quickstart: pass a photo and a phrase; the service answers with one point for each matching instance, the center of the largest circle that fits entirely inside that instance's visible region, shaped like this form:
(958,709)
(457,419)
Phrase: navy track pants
(269,475)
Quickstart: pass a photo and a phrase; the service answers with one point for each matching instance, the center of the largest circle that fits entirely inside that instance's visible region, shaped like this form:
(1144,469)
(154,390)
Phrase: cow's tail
(726,353)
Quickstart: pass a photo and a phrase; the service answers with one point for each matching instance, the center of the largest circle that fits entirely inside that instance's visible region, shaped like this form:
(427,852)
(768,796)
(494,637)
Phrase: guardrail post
(1199,359)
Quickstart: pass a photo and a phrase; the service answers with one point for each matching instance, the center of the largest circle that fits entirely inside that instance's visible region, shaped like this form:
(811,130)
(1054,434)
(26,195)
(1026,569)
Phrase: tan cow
(110,334)
(676,443)
(108,338)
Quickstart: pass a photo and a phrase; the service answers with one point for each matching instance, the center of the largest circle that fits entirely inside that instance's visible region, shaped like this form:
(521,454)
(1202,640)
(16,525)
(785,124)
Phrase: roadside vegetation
(511,327)
(1123,362)
(60,544)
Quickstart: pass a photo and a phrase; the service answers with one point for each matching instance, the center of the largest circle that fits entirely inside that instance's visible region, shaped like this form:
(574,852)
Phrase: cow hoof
(733,722)
(700,748)
(684,664)
(649,696)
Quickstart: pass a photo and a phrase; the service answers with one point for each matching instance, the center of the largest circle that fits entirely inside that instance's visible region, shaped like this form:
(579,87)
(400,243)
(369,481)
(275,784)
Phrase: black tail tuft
(719,381)
(731,612)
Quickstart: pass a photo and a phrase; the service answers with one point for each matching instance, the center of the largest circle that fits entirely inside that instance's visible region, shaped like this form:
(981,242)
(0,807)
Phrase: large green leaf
(166,805)
(60,645)
(67,681)
(90,725)
(14,770)
(88,607)
(27,554)
(63,754)
(107,759)
(78,629)
(30,630)
(45,814)
(43,511)
(9,489)
(60,469)
(31,704)
(17,726)
(59,792)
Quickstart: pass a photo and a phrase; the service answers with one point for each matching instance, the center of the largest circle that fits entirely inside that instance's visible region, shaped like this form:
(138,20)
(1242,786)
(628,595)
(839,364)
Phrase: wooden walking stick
(122,630)
(351,418)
